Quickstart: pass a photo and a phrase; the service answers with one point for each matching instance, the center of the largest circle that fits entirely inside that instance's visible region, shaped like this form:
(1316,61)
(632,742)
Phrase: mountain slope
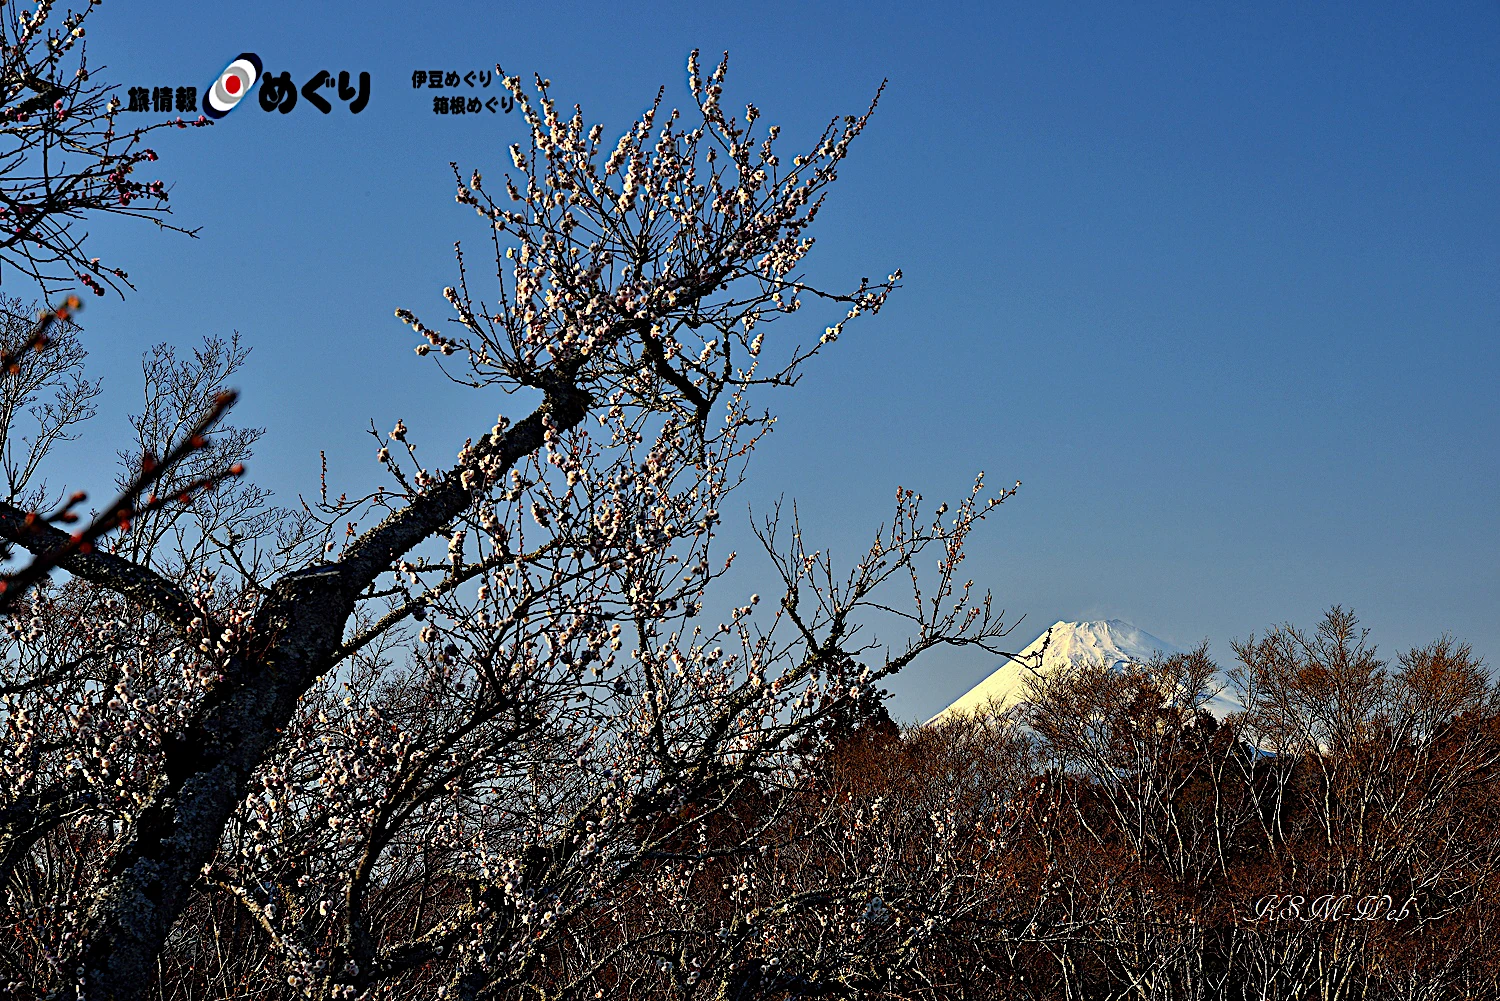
(1112,642)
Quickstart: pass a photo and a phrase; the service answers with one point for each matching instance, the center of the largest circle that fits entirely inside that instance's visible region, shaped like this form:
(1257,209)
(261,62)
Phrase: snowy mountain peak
(1112,642)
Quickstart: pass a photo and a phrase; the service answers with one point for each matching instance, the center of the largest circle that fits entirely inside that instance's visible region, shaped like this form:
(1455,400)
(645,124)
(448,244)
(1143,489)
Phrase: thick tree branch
(298,630)
(105,569)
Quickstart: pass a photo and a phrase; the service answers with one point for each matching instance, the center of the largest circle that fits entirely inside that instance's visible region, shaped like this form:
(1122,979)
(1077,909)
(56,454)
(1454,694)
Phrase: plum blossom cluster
(651,263)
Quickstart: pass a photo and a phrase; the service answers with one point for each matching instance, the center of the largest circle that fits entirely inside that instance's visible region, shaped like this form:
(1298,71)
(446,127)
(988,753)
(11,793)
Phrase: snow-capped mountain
(1111,642)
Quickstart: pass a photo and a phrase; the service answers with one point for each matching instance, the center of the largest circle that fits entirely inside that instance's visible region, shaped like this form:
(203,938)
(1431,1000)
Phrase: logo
(232,85)
(277,92)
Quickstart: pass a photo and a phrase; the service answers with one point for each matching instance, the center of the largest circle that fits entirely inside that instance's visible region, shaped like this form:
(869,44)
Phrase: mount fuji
(1111,642)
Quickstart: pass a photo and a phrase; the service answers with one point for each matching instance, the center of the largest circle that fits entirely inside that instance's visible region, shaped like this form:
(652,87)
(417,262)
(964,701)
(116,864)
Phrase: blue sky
(1219,283)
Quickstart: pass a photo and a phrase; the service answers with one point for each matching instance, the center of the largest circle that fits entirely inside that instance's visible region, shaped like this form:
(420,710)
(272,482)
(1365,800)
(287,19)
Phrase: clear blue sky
(1219,283)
